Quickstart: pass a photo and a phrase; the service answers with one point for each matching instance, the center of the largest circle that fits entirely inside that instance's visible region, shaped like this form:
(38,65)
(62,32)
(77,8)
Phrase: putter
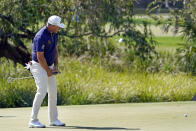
(10,79)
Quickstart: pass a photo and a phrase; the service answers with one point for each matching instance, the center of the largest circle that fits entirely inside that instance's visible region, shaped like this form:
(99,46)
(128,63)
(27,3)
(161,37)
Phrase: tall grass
(17,93)
(93,84)
(90,83)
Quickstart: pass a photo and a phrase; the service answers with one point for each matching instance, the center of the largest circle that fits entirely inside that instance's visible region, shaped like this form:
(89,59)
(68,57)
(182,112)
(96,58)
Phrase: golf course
(107,65)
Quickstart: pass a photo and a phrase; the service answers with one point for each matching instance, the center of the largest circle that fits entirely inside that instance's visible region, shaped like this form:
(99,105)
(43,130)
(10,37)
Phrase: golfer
(44,64)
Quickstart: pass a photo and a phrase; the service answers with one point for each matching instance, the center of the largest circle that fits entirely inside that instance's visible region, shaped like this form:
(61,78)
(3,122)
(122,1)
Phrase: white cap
(55,20)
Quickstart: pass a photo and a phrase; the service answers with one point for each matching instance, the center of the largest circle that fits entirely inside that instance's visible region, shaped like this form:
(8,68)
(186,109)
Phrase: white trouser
(44,84)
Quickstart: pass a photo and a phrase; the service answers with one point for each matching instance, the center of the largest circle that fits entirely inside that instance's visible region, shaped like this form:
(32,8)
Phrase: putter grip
(54,73)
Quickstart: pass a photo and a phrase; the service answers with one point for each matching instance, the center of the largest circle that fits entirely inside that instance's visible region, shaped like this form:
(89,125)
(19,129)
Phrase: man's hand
(43,63)
(55,69)
(49,72)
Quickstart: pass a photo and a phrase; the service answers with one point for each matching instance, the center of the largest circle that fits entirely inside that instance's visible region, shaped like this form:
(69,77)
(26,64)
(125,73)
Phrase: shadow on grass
(94,128)
(6,116)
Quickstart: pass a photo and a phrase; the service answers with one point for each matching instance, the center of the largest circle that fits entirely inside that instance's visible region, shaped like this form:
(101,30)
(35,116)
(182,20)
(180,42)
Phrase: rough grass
(89,83)
(93,84)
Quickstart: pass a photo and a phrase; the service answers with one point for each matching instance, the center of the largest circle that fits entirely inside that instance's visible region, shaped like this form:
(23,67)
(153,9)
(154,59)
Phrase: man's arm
(56,61)
(43,63)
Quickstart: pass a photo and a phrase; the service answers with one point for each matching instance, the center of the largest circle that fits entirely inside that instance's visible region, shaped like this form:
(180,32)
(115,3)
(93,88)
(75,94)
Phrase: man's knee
(42,90)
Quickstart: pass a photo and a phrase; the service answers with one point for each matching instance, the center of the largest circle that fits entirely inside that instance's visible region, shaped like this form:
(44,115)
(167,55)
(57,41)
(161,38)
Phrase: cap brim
(61,25)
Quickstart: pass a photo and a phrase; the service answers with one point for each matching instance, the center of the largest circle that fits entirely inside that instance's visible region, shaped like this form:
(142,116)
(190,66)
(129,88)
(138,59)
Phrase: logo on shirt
(49,42)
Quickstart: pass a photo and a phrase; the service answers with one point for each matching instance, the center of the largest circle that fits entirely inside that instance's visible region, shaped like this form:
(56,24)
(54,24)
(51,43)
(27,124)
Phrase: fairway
(169,43)
(118,117)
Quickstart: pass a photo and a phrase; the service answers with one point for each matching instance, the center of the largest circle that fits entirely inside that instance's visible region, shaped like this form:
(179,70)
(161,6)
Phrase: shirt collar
(46,28)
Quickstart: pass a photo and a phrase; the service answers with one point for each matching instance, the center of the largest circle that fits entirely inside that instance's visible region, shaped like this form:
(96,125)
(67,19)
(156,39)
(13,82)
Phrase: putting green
(118,117)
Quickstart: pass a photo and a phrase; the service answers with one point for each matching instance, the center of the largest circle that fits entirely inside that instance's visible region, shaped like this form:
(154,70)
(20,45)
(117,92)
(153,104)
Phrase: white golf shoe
(57,123)
(36,124)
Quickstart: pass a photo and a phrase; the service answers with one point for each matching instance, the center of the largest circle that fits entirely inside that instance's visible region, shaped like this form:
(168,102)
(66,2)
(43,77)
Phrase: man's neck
(49,29)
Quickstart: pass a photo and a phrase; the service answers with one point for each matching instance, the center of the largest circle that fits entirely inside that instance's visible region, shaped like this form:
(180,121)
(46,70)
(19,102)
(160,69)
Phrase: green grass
(94,84)
(90,83)
(108,117)
(169,43)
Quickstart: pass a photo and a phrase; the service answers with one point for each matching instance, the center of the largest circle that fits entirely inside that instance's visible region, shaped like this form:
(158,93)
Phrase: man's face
(55,29)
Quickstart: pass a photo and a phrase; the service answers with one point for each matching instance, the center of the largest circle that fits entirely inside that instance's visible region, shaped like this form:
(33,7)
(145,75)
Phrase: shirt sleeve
(40,43)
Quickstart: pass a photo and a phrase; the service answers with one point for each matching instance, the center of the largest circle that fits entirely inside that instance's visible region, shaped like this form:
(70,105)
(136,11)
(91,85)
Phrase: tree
(21,19)
(183,19)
